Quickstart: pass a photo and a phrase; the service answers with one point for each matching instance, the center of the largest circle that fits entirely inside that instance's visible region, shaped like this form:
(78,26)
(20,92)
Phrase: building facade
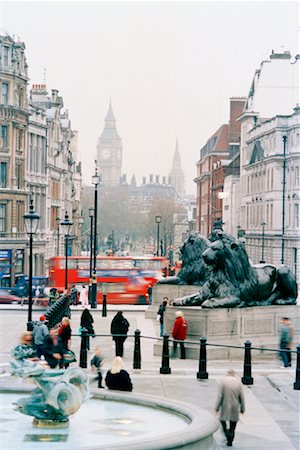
(270,163)
(14,117)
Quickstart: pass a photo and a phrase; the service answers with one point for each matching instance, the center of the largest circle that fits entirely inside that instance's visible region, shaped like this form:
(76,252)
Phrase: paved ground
(272,415)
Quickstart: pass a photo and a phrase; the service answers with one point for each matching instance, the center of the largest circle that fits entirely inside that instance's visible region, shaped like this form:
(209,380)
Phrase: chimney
(157,179)
(151,178)
(144,180)
(164,179)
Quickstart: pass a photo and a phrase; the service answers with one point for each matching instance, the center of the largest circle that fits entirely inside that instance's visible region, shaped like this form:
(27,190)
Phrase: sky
(169,68)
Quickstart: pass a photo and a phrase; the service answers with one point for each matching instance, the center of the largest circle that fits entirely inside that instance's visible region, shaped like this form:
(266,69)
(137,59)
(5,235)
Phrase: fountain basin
(112,420)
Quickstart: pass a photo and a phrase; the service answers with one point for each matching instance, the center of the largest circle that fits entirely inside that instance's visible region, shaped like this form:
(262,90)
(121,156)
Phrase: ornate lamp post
(31,222)
(263,224)
(91,214)
(57,228)
(66,224)
(95,181)
(158,220)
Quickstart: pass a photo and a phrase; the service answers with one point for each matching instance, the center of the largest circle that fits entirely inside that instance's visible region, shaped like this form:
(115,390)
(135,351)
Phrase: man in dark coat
(160,313)
(119,326)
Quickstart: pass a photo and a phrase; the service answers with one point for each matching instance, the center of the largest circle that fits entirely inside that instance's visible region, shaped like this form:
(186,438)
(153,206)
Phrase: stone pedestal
(231,326)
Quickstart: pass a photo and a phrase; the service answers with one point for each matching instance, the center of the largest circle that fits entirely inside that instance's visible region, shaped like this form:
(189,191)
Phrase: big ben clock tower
(109,151)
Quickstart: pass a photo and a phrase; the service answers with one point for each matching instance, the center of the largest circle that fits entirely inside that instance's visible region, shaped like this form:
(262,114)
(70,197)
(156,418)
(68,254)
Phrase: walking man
(39,333)
(284,341)
(160,314)
(231,402)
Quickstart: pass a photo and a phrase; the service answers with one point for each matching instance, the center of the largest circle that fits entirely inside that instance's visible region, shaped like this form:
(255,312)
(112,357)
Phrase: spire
(176,174)
(110,117)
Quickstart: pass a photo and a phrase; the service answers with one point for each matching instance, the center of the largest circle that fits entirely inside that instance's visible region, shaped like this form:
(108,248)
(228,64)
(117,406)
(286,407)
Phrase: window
(20,175)
(20,216)
(4,93)
(297,176)
(296,215)
(4,140)
(3,174)
(2,218)
(5,56)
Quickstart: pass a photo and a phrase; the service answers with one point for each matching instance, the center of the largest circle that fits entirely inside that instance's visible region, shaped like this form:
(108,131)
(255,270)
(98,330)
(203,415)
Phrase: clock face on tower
(105,154)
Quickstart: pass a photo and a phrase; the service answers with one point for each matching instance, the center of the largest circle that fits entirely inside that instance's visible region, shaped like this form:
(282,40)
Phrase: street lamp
(31,222)
(66,224)
(57,228)
(91,214)
(263,224)
(158,220)
(95,181)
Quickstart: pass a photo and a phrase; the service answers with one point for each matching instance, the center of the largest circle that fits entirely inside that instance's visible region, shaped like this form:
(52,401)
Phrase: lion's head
(193,269)
(228,255)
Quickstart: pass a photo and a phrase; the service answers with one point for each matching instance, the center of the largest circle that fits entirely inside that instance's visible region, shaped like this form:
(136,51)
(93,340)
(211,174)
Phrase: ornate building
(14,114)
(176,174)
(109,151)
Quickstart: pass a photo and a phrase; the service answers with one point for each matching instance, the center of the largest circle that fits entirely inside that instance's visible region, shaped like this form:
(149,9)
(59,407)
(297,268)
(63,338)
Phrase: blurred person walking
(39,333)
(160,314)
(231,402)
(84,296)
(284,341)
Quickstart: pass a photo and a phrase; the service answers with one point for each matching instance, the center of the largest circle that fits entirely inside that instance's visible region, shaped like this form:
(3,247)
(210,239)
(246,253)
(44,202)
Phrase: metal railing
(202,373)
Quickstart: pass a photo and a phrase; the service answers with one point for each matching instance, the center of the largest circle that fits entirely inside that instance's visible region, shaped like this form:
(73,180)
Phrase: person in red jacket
(179,334)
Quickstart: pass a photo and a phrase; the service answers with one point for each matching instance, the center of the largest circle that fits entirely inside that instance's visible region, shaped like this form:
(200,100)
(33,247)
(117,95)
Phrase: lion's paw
(207,304)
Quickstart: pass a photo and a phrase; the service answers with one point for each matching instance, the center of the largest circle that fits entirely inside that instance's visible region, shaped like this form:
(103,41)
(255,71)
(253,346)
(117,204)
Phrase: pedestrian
(86,321)
(73,296)
(149,292)
(118,378)
(64,336)
(284,341)
(52,348)
(160,314)
(291,340)
(96,363)
(179,333)
(84,296)
(119,326)
(39,333)
(53,296)
(231,401)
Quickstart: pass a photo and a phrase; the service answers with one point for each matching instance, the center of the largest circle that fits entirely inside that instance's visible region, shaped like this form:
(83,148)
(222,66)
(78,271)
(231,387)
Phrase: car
(7,298)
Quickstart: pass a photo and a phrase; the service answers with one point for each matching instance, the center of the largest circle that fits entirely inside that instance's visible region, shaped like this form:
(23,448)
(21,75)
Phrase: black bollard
(137,350)
(165,367)
(247,378)
(83,348)
(202,374)
(297,380)
(104,309)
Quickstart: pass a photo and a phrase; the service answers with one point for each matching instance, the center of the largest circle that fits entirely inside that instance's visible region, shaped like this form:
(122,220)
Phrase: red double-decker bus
(124,279)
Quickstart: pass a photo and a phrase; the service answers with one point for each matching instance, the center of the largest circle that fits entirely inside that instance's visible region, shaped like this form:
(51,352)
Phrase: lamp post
(95,181)
(158,220)
(263,224)
(66,224)
(31,222)
(284,138)
(57,228)
(91,214)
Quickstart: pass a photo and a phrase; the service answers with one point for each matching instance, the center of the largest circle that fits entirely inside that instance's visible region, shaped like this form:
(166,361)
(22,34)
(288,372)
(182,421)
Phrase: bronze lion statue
(193,268)
(232,281)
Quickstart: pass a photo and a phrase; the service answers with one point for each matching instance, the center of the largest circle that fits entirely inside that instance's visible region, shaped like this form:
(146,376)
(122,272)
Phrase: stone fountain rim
(195,430)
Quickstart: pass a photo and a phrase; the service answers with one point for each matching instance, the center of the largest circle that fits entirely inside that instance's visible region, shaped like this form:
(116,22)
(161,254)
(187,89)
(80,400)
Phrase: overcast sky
(169,68)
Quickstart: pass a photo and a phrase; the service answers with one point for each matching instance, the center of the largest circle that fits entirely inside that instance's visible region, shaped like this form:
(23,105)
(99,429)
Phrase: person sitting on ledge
(117,378)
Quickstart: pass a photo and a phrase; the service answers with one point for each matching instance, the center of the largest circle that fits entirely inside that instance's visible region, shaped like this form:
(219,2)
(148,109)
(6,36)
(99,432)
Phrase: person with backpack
(119,326)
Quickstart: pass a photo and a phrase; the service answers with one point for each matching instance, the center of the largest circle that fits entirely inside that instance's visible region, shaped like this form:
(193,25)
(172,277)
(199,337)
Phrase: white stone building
(270,117)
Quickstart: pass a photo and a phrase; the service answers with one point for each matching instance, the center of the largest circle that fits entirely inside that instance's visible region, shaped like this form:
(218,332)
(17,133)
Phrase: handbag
(69,357)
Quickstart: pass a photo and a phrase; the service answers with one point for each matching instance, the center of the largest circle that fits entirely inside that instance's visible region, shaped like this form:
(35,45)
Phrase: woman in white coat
(84,297)
(231,402)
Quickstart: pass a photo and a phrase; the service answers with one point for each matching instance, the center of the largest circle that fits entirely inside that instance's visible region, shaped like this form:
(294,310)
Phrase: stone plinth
(171,291)
(232,326)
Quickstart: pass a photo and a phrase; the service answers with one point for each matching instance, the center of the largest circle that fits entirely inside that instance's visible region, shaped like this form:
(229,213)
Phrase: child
(96,363)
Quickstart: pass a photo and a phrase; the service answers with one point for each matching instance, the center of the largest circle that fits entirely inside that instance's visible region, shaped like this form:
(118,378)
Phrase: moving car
(7,298)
